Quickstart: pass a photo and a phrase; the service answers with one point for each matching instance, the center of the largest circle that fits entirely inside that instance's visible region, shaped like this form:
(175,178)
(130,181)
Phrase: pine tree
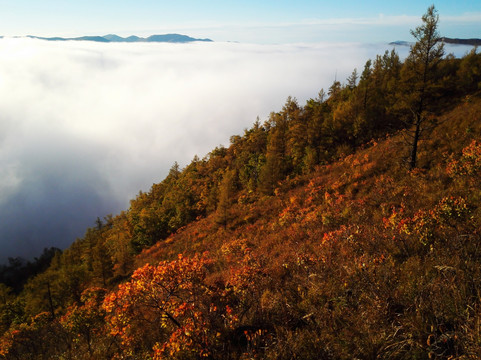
(277,164)
(226,193)
(419,75)
(352,79)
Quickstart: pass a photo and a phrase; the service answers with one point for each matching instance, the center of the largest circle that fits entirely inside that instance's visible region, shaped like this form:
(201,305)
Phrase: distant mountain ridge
(473,42)
(456,41)
(169,38)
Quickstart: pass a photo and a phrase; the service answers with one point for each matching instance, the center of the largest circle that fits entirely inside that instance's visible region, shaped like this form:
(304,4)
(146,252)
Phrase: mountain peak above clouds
(473,42)
(171,38)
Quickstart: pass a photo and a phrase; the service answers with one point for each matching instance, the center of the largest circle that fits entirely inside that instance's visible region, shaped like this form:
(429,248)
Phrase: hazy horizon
(266,22)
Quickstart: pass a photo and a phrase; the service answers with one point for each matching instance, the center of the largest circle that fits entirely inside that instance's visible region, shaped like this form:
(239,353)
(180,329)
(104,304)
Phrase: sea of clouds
(85,126)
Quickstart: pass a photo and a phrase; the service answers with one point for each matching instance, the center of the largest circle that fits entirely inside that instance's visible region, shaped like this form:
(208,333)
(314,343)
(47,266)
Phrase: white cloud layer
(84,126)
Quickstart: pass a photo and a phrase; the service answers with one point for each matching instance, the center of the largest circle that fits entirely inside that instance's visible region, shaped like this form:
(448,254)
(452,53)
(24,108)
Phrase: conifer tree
(277,164)
(419,75)
(364,82)
(226,192)
(352,79)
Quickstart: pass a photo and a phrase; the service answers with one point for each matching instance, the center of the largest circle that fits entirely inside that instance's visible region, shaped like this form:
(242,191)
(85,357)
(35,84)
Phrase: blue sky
(254,21)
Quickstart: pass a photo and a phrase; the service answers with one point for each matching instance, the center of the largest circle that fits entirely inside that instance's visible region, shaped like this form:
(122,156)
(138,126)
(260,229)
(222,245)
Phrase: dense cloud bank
(84,126)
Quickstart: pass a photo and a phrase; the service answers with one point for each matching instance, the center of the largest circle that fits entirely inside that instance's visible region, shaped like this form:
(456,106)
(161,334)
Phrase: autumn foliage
(166,300)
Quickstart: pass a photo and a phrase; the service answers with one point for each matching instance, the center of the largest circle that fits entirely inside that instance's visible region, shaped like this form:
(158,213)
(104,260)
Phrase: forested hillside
(346,227)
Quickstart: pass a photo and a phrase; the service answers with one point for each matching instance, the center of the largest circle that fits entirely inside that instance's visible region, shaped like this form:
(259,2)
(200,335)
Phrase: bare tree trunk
(52,312)
(414,148)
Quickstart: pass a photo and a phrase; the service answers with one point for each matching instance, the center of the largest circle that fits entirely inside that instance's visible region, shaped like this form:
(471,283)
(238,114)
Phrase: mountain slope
(357,258)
